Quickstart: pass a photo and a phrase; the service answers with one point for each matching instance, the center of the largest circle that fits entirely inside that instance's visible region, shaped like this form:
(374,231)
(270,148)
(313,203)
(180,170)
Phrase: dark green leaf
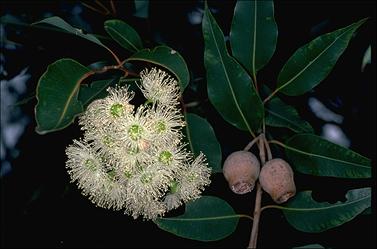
(307,215)
(14,21)
(279,114)
(98,65)
(311,246)
(141,8)
(60,23)
(367,211)
(201,137)
(230,88)
(253,35)
(124,34)
(310,64)
(96,90)
(57,93)
(311,154)
(206,219)
(167,58)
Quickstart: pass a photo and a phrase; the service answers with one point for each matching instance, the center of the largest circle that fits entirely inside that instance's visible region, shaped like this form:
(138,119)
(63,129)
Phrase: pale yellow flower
(133,158)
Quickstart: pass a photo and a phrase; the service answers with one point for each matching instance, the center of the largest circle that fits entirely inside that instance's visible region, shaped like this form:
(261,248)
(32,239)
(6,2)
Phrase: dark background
(40,208)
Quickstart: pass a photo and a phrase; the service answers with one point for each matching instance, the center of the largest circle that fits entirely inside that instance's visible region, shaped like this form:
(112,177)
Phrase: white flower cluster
(134,159)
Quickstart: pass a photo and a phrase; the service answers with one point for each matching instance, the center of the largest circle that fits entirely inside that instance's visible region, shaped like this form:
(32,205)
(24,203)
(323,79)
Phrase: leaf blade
(279,114)
(229,87)
(310,154)
(57,93)
(307,215)
(96,90)
(311,63)
(124,34)
(206,219)
(60,23)
(253,34)
(167,58)
(310,246)
(202,137)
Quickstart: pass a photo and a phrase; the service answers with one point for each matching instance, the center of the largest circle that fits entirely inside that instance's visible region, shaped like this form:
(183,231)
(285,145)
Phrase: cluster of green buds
(133,159)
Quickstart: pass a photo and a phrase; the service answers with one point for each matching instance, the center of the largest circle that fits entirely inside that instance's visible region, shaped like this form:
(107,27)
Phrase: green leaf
(60,23)
(310,64)
(141,8)
(230,88)
(96,90)
(57,93)
(311,246)
(124,34)
(201,137)
(311,154)
(367,58)
(253,34)
(307,215)
(367,211)
(206,219)
(279,114)
(167,58)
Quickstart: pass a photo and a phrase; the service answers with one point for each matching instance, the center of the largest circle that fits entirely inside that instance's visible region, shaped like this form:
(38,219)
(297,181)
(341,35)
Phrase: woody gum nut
(276,178)
(241,170)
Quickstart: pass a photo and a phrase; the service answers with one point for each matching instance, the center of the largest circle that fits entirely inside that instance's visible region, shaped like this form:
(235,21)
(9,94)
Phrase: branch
(258,197)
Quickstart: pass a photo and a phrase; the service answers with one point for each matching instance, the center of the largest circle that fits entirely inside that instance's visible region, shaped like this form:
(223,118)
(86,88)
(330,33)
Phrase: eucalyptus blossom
(133,158)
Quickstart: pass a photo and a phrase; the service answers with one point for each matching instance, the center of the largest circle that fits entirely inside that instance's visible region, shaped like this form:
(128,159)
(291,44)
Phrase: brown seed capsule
(241,170)
(276,178)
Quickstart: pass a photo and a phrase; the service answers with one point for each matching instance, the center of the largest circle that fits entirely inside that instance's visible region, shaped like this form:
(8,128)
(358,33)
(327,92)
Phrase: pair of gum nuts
(242,169)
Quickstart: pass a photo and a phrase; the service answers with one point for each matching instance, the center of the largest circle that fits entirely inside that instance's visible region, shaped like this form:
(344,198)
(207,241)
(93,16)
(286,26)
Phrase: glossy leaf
(57,93)
(95,90)
(206,219)
(60,23)
(311,154)
(167,58)
(124,34)
(310,64)
(201,137)
(279,114)
(311,246)
(253,34)
(230,88)
(307,215)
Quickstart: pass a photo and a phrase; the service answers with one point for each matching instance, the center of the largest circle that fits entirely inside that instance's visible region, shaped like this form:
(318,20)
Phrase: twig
(93,8)
(248,147)
(113,8)
(269,154)
(105,69)
(258,198)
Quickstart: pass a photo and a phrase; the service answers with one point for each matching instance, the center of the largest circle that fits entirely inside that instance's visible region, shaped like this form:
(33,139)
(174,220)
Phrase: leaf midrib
(227,76)
(254,37)
(311,62)
(68,102)
(205,218)
(288,120)
(327,158)
(324,208)
(133,46)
